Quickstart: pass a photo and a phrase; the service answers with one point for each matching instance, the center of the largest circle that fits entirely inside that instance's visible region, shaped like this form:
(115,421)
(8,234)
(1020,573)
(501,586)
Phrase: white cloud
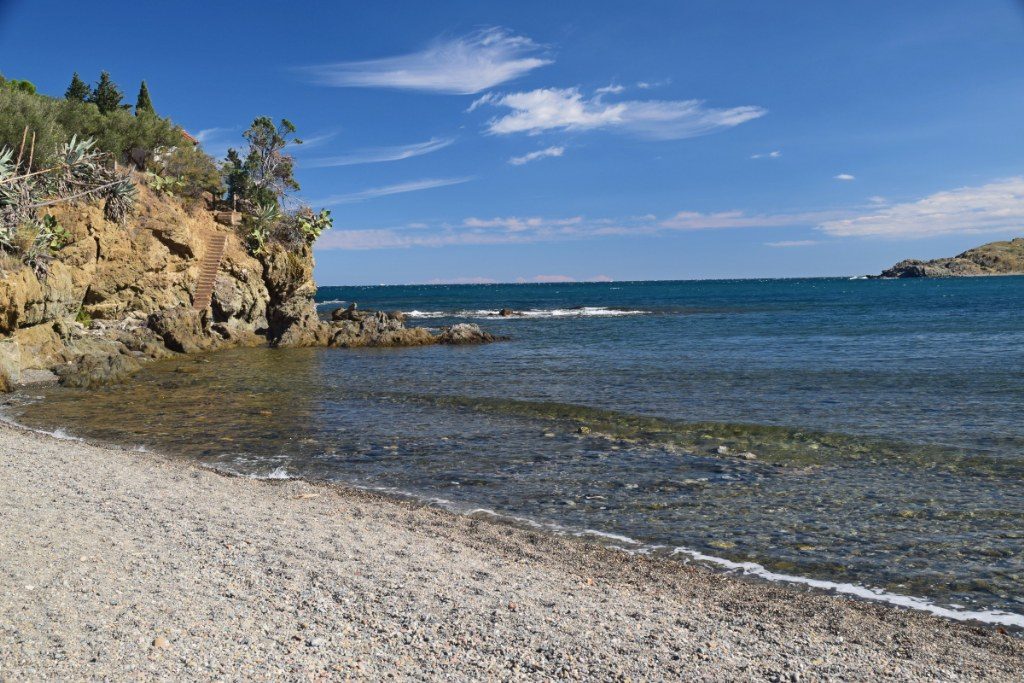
(464,66)
(515,224)
(995,207)
(547,109)
(878,199)
(463,281)
(845,176)
(548,279)
(539,154)
(774,154)
(215,141)
(694,220)
(791,243)
(379,154)
(399,188)
(611,90)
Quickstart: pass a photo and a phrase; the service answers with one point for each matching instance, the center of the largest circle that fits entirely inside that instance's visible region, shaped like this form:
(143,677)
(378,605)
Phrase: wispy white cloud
(648,85)
(515,224)
(791,243)
(995,207)
(844,176)
(774,154)
(539,154)
(476,280)
(464,65)
(547,109)
(215,141)
(375,155)
(399,188)
(613,89)
(547,279)
(695,220)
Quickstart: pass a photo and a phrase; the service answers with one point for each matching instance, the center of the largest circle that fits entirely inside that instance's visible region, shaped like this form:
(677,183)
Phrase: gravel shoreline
(118,564)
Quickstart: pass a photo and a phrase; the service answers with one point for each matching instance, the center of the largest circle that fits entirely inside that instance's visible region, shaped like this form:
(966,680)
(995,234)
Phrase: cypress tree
(78,90)
(106,95)
(142,102)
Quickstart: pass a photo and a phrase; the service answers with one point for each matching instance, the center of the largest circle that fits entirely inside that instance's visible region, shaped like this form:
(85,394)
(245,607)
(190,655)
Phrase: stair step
(203,293)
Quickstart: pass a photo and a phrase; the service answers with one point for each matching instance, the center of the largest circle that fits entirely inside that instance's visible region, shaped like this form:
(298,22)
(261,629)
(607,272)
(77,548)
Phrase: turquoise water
(886,417)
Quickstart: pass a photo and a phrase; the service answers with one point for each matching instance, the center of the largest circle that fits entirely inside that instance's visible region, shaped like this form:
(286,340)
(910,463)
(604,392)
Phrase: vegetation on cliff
(994,258)
(105,217)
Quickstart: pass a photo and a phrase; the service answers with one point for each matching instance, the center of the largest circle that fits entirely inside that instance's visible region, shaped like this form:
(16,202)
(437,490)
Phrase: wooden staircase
(208,271)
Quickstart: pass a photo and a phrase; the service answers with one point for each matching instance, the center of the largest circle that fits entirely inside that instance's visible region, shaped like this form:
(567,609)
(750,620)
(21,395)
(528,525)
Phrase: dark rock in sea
(96,370)
(507,312)
(181,329)
(465,333)
(994,258)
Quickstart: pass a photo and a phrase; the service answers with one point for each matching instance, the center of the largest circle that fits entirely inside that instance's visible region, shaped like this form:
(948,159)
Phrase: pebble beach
(129,565)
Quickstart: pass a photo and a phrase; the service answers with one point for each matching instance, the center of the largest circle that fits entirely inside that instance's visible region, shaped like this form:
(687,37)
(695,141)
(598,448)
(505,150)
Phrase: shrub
(126,137)
(187,171)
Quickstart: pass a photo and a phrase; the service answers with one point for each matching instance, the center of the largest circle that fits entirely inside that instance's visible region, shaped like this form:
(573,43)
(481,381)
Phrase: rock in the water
(181,329)
(465,333)
(506,312)
(96,370)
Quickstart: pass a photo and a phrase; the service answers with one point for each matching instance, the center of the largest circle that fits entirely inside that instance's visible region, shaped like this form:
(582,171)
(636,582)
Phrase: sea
(860,436)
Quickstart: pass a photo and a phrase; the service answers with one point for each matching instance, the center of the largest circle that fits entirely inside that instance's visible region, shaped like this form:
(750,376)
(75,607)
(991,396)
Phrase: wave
(635,547)
(577,312)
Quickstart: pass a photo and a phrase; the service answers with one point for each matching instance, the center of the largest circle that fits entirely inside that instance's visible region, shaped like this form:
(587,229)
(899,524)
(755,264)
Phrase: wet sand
(118,564)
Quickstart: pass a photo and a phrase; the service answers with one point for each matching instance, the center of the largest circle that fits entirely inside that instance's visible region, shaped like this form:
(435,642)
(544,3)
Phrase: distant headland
(994,258)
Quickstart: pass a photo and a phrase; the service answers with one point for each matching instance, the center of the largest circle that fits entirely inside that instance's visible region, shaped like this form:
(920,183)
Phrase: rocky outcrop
(994,258)
(119,295)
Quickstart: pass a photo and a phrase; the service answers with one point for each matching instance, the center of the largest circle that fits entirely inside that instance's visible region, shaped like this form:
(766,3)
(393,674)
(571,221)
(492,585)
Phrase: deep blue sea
(885,417)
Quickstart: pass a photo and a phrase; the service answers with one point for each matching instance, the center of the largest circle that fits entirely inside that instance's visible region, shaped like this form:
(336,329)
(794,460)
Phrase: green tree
(106,95)
(142,102)
(78,91)
(235,177)
(270,171)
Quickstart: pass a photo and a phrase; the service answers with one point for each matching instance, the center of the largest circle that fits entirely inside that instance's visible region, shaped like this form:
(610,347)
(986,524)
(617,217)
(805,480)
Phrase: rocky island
(994,258)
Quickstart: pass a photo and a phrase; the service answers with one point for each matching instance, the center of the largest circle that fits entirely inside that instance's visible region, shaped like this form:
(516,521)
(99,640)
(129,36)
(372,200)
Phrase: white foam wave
(580,312)
(278,473)
(57,433)
(875,594)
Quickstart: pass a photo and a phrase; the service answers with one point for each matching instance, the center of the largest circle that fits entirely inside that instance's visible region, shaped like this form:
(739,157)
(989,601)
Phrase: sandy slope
(126,565)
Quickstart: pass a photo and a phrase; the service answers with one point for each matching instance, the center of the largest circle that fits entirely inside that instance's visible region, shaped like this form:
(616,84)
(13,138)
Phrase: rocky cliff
(994,258)
(119,295)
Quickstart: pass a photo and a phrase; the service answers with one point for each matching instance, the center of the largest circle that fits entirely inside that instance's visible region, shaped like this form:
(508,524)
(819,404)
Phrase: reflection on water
(885,418)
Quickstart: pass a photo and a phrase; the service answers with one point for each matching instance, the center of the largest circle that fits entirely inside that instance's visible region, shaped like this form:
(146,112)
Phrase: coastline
(117,561)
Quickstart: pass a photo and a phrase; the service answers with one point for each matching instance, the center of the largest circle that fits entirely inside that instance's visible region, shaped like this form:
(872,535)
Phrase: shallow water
(885,416)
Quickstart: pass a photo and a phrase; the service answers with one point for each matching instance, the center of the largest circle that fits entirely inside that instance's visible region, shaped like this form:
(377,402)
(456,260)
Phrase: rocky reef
(994,258)
(119,295)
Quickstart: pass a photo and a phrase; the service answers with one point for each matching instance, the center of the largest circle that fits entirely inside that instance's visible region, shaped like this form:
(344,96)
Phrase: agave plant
(121,197)
(6,163)
(259,225)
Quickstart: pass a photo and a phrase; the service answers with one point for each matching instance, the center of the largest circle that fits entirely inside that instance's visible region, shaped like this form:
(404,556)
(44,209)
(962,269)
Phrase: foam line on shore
(874,594)
(631,545)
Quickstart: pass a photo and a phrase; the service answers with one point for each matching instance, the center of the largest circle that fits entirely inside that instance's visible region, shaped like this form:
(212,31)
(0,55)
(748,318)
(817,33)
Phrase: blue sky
(486,141)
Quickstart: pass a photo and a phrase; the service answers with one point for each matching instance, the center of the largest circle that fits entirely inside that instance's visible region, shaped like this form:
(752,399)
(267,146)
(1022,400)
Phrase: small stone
(721,450)
(161,643)
(583,429)
(512,607)
(747,455)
